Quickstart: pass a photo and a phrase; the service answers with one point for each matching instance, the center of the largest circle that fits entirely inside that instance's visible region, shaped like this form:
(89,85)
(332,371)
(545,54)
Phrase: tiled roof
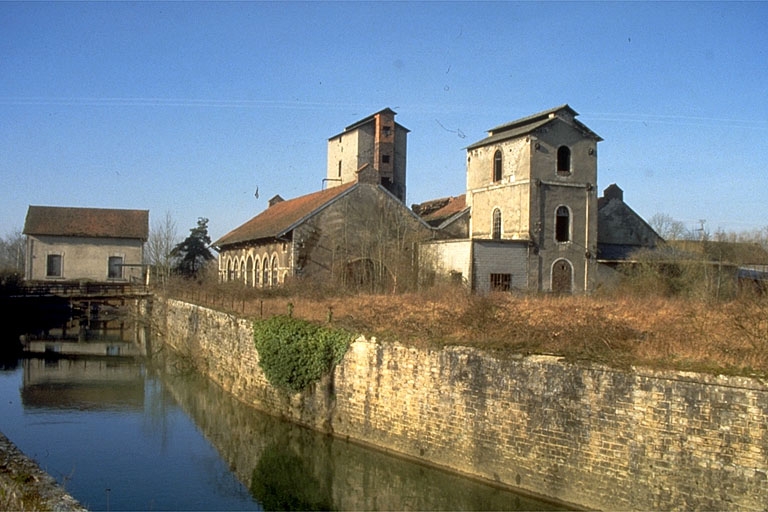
(87,222)
(282,217)
(530,123)
(437,210)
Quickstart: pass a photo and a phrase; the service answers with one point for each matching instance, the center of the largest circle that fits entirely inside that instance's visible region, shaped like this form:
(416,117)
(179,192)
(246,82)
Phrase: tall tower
(376,141)
(531,185)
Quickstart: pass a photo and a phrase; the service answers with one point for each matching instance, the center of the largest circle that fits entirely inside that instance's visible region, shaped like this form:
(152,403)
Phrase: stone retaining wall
(587,435)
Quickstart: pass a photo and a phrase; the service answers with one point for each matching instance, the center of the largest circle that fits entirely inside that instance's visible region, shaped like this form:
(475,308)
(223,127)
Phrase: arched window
(231,270)
(497,166)
(265,273)
(496,229)
(257,273)
(249,270)
(563,224)
(563,160)
(274,280)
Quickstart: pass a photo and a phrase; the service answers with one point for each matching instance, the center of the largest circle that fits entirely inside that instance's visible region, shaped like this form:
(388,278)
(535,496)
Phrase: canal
(125,433)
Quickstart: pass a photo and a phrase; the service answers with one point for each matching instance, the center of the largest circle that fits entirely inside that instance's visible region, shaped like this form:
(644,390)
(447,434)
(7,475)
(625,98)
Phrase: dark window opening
(562,225)
(496,233)
(115,267)
(53,265)
(563,160)
(497,166)
(501,282)
(386,130)
(339,168)
(385,159)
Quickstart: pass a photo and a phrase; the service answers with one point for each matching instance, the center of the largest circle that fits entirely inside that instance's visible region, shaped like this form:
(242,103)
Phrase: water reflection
(288,467)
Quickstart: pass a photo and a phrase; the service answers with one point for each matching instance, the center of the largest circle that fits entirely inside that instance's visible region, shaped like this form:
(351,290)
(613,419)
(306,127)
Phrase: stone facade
(588,435)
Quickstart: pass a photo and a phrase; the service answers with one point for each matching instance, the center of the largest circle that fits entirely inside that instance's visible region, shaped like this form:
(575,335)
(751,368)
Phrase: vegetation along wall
(587,435)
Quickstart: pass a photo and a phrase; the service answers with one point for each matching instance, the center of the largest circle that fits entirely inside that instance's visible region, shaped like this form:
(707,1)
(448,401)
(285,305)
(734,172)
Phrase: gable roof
(528,124)
(436,211)
(282,217)
(87,222)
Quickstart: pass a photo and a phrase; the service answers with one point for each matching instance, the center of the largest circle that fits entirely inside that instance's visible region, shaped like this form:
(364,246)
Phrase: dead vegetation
(617,328)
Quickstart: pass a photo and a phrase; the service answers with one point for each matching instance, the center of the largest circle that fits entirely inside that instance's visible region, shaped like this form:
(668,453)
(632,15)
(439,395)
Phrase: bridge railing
(72,288)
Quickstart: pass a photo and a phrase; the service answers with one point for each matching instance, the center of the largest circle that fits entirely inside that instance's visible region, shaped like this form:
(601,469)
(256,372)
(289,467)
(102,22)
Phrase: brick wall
(588,435)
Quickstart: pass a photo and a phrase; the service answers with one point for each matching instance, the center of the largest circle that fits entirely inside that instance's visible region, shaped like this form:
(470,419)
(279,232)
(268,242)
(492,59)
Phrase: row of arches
(258,272)
(562,224)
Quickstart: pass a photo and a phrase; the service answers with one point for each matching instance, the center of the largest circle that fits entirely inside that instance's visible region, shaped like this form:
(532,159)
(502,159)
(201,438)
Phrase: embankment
(587,435)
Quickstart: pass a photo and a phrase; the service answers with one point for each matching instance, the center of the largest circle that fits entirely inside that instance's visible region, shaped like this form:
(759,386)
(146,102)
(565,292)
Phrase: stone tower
(531,187)
(376,142)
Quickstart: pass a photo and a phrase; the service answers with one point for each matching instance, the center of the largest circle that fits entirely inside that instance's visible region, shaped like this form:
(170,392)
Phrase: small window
(385,159)
(53,265)
(386,130)
(501,282)
(563,224)
(339,168)
(496,233)
(497,166)
(274,281)
(115,267)
(563,160)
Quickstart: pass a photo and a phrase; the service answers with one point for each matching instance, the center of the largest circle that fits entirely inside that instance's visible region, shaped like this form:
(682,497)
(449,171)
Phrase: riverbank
(580,433)
(24,486)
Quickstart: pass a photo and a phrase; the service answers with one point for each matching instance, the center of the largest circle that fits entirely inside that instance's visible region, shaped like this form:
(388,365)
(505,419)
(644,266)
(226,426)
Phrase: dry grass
(617,329)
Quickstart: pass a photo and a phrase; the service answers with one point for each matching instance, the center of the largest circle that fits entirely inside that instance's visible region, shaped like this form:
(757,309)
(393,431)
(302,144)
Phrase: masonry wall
(588,435)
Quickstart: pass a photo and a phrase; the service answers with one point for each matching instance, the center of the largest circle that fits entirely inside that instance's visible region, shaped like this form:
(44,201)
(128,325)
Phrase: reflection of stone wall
(288,467)
(588,435)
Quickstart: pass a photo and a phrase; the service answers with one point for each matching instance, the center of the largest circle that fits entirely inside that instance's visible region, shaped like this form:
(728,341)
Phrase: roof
(282,217)
(528,124)
(367,120)
(434,212)
(87,222)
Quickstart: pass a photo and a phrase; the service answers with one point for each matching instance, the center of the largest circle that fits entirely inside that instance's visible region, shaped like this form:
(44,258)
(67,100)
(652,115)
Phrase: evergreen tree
(193,252)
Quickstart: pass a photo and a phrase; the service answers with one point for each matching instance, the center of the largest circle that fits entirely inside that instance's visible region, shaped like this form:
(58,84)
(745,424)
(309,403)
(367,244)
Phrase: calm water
(127,435)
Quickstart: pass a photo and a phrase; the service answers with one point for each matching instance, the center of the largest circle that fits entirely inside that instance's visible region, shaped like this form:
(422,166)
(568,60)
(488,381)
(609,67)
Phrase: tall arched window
(273,282)
(562,224)
(563,160)
(497,166)
(265,272)
(496,230)
(257,273)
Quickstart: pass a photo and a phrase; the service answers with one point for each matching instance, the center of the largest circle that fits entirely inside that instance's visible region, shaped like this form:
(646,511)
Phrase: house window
(496,231)
(563,161)
(265,273)
(385,159)
(257,273)
(115,267)
(562,224)
(501,282)
(497,166)
(339,168)
(53,265)
(386,130)
(273,282)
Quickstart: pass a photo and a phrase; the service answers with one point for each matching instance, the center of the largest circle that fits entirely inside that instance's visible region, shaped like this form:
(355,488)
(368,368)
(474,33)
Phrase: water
(126,434)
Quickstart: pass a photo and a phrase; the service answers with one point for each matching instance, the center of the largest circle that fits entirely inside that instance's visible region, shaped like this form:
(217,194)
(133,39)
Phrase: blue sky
(187,108)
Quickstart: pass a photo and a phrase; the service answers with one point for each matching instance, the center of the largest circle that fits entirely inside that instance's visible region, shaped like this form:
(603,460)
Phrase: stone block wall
(588,435)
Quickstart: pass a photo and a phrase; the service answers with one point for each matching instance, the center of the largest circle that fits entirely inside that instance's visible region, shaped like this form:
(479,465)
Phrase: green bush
(295,353)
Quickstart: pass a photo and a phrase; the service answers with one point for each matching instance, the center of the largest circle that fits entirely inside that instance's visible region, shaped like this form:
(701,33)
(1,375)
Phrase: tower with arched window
(531,191)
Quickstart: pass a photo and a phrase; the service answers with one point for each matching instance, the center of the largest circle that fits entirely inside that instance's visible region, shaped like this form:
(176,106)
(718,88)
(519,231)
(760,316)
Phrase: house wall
(593,436)
(577,192)
(83,258)
(491,257)
(447,259)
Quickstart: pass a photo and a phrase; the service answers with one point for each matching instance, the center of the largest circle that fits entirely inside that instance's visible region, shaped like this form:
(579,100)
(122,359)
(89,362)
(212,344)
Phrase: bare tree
(12,252)
(669,228)
(163,237)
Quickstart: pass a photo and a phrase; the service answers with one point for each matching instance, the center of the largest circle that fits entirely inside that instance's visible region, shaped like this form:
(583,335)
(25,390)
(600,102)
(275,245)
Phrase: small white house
(95,244)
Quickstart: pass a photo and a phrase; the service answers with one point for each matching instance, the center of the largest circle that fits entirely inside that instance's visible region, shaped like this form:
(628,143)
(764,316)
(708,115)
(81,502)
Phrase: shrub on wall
(295,353)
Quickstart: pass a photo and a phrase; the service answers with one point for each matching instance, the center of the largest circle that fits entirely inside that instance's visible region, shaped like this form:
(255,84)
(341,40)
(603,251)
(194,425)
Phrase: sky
(186,108)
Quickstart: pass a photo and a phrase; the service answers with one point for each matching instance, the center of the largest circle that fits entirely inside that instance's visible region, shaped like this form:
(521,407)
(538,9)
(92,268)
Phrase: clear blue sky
(187,108)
